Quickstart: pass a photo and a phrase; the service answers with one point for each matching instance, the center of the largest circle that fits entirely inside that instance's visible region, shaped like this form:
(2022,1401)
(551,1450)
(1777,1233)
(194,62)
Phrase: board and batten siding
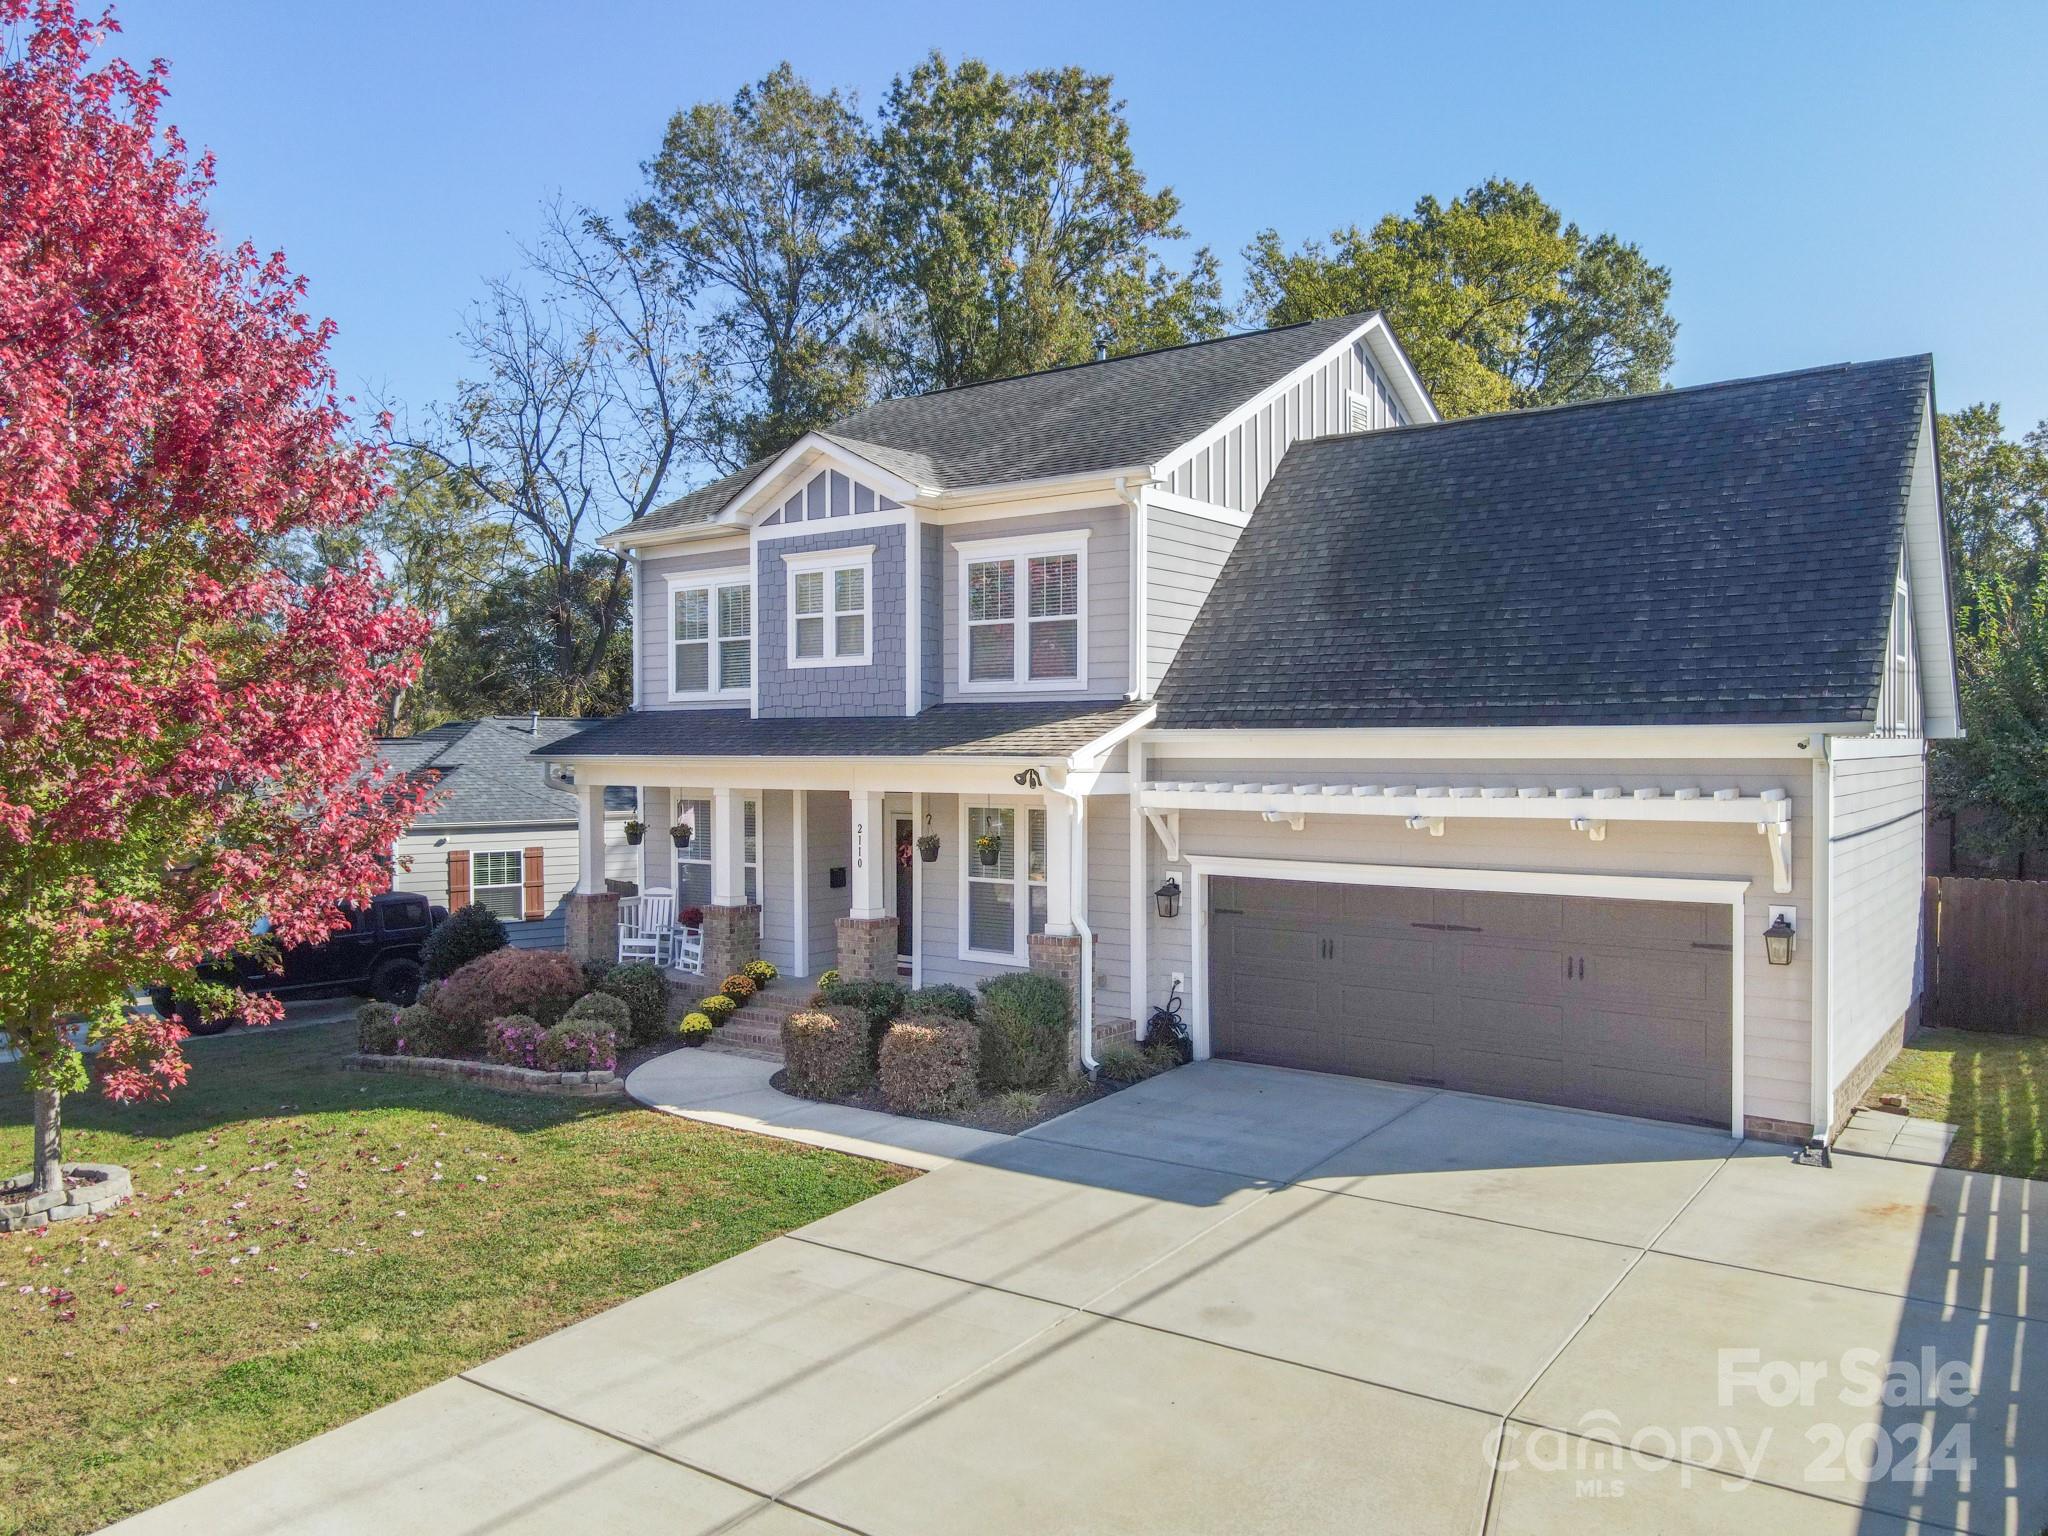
(1184,554)
(1877,851)
(1108,616)
(427,851)
(655,572)
(1347,394)
(1777,1000)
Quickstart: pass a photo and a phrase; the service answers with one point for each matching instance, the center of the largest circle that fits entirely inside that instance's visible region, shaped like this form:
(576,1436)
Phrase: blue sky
(1826,182)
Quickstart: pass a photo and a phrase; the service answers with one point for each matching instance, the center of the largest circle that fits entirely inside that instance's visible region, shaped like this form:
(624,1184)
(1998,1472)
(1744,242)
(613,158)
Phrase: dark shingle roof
(1108,415)
(1029,729)
(1722,554)
(485,772)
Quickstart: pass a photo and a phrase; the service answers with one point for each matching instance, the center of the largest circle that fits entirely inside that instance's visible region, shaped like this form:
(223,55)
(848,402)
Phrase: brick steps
(756,1029)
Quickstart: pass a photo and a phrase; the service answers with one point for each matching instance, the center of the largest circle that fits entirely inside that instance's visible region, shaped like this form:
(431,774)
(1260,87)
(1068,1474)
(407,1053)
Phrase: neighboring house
(1479,753)
(502,831)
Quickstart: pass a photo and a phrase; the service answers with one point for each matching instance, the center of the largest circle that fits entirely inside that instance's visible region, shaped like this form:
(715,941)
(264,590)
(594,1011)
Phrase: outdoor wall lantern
(1780,940)
(1168,897)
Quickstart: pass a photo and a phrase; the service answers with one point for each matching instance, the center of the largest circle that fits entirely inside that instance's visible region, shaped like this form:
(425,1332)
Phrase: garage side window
(496,880)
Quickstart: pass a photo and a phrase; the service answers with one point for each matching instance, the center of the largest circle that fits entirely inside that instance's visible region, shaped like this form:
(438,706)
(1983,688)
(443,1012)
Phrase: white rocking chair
(688,948)
(644,924)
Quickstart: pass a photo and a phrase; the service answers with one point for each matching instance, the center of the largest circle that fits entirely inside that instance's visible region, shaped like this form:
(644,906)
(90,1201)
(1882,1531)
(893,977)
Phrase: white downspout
(1077,861)
(633,617)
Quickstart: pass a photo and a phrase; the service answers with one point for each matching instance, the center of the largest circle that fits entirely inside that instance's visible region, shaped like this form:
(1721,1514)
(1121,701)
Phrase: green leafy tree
(1500,303)
(756,204)
(497,655)
(1995,492)
(1016,231)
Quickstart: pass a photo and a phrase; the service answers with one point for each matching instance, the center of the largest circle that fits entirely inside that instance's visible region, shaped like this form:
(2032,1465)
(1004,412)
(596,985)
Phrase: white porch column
(589,839)
(1059,866)
(871,855)
(728,849)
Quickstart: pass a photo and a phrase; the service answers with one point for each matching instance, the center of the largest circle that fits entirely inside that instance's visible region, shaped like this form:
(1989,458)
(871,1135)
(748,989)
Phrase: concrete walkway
(729,1089)
(1240,1300)
(1880,1133)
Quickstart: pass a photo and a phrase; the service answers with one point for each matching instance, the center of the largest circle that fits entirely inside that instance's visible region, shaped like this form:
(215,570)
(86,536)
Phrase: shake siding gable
(874,688)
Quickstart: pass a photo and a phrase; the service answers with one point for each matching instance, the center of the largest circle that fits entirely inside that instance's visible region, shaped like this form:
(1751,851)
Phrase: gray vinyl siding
(1898,702)
(777,879)
(427,851)
(654,623)
(942,961)
(1877,844)
(829,837)
(656,867)
(1183,557)
(931,575)
(1232,468)
(1108,602)
(1777,1000)
(1109,903)
(877,687)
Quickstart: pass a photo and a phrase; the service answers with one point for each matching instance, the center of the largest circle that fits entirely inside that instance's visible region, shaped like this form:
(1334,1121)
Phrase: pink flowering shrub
(578,1045)
(514,1041)
(540,983)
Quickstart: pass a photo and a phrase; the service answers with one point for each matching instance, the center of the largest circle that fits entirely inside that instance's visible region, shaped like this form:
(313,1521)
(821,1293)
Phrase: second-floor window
(1024,611)
(713,639)
(829,619)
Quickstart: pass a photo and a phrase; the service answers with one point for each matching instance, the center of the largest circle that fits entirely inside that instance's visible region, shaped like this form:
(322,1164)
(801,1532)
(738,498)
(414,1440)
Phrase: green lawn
(1994,1087)
(307,1244)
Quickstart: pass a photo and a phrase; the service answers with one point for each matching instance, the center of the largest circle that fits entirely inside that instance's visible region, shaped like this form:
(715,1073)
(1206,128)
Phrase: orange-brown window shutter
(458,879)
(536,894)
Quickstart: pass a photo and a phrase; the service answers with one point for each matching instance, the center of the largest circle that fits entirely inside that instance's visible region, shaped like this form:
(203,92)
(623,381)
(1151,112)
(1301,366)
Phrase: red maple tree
(185,724)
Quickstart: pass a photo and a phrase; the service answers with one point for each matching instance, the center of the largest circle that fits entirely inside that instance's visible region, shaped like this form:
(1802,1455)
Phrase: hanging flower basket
(990,846)
(680,834)
(928,847)
(635,830)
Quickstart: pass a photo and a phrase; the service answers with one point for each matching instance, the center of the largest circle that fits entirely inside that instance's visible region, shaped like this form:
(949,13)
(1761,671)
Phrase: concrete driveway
(1237,1299)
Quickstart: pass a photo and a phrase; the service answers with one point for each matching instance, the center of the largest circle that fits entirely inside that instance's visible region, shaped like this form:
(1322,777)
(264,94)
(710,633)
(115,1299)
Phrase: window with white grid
(829,611)
(1004,901)
(711,639)
(1023,613)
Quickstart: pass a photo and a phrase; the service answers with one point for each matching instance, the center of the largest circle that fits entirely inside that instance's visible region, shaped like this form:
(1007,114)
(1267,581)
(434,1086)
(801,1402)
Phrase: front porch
(964,872)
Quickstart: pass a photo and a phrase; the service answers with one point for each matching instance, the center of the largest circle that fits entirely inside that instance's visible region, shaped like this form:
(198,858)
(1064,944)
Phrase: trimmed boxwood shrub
(469,933)
(419,1031)
(579,1045)
(1025,1020)
(942,998)
(540,982)
(377,1029)
(880,1002)
(929,1064)
(644,989)
(602,1008)
(825,1052)
(718,1007)
(513,1040)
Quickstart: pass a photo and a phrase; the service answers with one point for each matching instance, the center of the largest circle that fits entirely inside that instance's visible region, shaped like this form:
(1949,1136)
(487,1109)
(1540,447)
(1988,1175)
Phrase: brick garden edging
(102,1186)
(493,1074)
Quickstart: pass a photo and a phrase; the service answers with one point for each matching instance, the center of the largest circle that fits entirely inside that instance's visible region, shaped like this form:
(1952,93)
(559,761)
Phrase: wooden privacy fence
(1987,954)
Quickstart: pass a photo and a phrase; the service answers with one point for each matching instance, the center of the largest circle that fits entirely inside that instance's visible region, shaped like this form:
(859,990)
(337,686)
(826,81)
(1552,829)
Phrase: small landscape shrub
(826,1053)
(737,987)
(1122,1063)
(881,1002)
(469,933)
(760,973)
(376,1029)
(943,998)
(595,971)
(1017,1104)
(417,1032)
(644,989)
(718,1007)
(540,982)
(579,1045)
(928,1064)
(513,1041)
(602,1008)
(1024,1019)
(693,1029)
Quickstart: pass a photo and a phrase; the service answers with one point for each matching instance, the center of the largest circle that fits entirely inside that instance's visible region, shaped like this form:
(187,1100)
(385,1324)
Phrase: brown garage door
(1611,1005)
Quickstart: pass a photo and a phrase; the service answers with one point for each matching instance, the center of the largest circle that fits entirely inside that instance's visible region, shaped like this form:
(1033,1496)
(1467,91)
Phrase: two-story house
(1572,755)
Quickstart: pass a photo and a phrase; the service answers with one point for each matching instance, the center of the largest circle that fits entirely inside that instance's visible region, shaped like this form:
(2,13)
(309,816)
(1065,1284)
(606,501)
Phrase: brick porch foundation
(867,948)
(593,926)
(1059,956)
(732,937)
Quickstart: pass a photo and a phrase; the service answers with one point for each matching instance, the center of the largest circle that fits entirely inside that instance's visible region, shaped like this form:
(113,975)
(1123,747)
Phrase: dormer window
(1023,603)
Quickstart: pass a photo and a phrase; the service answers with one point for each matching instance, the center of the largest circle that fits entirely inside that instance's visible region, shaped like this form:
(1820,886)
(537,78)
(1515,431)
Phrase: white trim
(916,891)
(713,582)
(857,522)
(1187,506)
(1288,746)
(633,619)
(913,618)
(1101,745)
(800,895)
(1729,893)
(1820,954)
(829,563)
(800,459)
(1491,802)
(1140,903)
(1018,552)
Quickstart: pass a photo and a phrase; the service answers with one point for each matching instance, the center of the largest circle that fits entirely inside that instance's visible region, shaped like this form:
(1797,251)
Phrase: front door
(906,885)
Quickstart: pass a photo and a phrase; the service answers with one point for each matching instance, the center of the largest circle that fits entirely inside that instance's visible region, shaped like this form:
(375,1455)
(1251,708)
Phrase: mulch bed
(988,1115)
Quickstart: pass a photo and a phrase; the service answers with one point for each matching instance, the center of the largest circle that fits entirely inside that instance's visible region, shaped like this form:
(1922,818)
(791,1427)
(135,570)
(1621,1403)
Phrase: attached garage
(1593,1001)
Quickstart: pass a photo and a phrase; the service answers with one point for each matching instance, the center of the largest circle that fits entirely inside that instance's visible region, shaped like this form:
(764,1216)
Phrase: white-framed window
(1024,613)
(830,622)
(497,880)
(711,638)
(1003,902)
(693,864)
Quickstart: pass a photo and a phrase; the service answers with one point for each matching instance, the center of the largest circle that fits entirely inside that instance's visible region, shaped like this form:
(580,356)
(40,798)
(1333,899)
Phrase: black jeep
(378,953)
